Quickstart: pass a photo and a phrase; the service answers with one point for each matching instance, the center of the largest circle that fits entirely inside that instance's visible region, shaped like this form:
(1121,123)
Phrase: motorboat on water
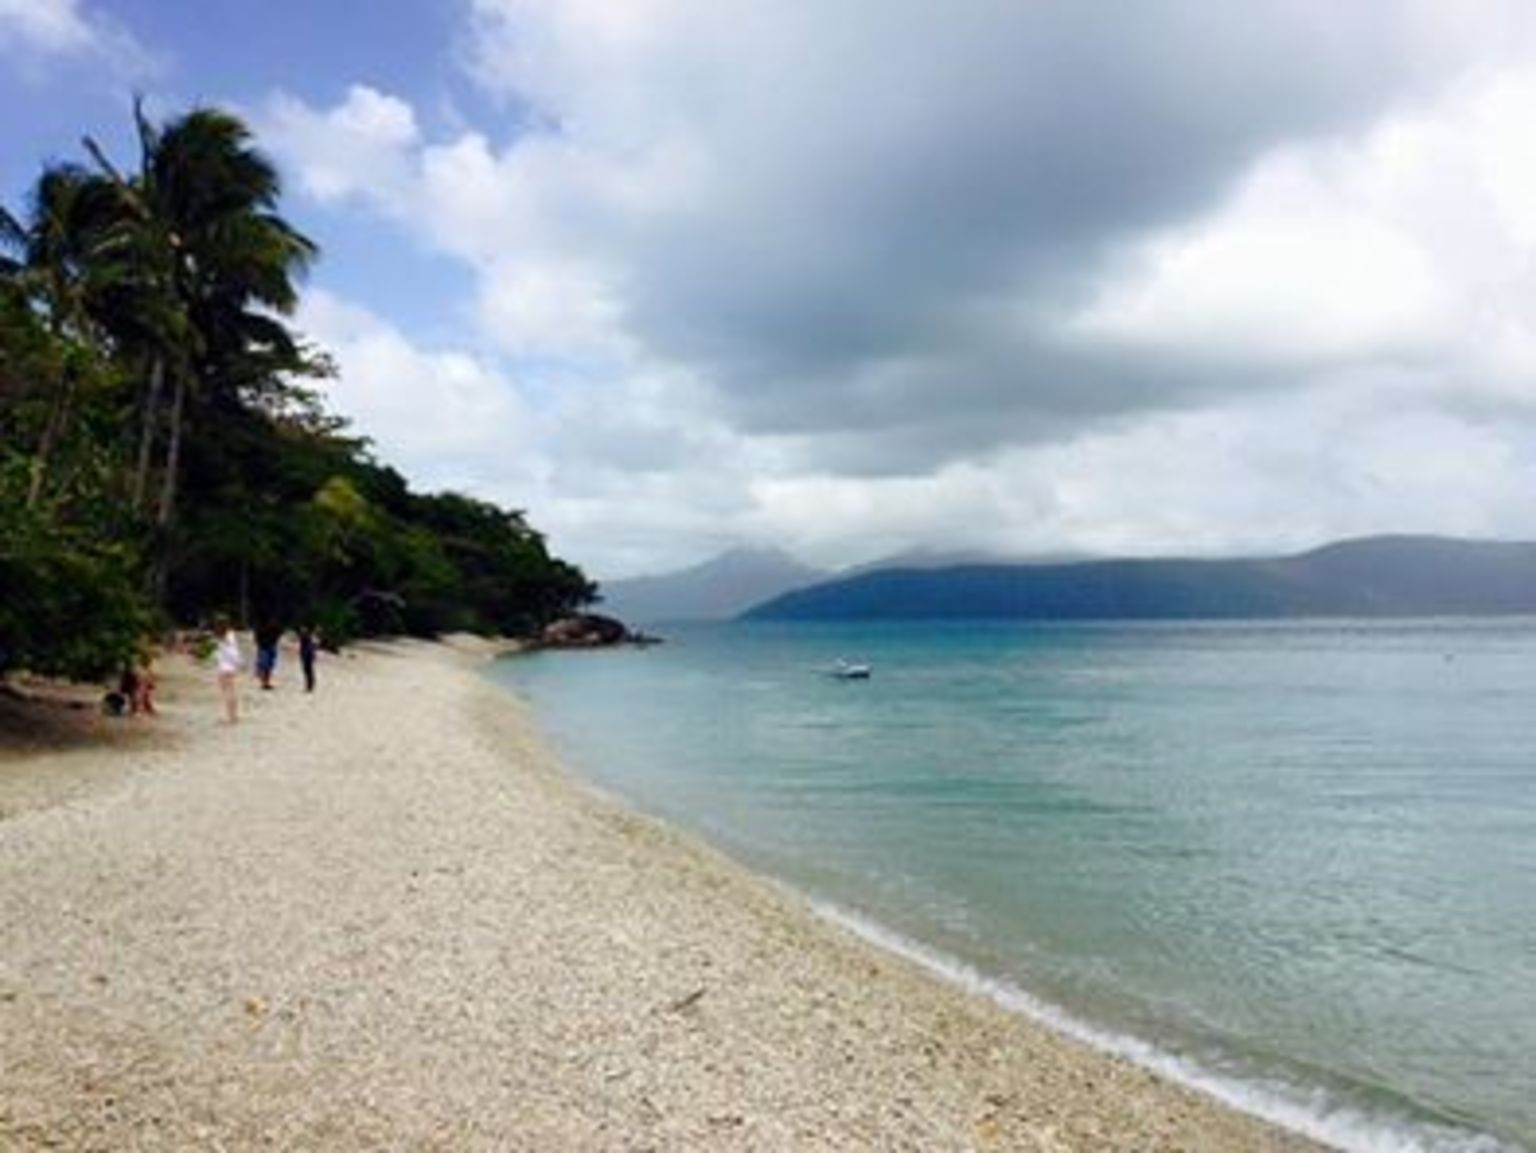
(850,671)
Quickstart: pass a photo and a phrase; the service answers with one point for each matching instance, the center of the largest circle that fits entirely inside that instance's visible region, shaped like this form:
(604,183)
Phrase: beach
(383,915)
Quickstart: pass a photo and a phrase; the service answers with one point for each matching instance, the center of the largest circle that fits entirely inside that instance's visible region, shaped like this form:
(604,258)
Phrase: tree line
(164,453)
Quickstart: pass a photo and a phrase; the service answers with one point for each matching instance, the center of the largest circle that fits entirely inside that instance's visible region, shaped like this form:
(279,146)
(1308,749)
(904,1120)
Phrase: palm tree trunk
(160,568)
(245,592)
(58,418)
(147,420)
(172,454)
(53,431)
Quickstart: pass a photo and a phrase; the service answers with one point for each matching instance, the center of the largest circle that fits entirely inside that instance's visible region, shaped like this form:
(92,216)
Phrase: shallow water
(1294,862)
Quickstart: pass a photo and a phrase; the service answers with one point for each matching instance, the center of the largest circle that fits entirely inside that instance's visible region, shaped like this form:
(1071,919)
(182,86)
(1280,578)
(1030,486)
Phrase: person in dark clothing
(268,634)
(307,646)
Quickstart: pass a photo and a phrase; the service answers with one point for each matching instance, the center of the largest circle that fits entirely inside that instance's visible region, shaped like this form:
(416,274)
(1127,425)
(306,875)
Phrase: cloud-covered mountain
(921,557)
(1371,577)
(717,589)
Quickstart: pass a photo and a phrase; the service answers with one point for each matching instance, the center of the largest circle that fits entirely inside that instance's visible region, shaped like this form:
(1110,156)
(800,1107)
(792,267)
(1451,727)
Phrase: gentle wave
(1310,1112)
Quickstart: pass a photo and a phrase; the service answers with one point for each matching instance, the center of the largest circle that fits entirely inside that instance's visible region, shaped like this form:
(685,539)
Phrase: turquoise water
(1293,863)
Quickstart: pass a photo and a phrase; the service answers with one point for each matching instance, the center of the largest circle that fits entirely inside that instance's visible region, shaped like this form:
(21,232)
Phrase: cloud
(363,143)
(34,33)
(642,476)
(1406,250)
(571,451)
(891,264)
(923,184)
(1289,273)
(445,417)
(51,26)
(1280,474)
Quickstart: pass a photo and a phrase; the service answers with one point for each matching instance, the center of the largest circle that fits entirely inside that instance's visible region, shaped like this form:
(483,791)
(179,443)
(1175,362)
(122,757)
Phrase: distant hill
(718,589)
(927,558)
(1375,576)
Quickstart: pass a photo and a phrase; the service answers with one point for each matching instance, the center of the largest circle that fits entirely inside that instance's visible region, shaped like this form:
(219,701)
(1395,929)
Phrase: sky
(1018,277)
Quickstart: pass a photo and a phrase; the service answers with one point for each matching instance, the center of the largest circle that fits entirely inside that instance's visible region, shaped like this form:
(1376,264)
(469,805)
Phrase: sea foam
(1311,1112)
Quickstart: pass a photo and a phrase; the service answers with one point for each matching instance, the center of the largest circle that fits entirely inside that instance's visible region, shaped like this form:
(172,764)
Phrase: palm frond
(13,234)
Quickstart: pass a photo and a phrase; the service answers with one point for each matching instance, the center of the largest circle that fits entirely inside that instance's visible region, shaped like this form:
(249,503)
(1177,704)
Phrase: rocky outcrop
(589,631)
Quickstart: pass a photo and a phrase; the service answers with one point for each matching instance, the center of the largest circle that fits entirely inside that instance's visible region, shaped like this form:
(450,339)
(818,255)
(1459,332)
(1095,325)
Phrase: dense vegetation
(163,454)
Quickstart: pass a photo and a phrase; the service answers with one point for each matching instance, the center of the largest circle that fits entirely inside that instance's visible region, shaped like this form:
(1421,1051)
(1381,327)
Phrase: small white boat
(848,671)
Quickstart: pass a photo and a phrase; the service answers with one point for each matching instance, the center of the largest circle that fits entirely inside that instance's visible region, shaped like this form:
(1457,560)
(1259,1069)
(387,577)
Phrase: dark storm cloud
(910,416)
(900,201)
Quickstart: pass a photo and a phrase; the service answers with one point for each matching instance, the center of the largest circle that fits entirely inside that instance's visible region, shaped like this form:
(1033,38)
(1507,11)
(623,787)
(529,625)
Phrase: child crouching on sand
(137,686)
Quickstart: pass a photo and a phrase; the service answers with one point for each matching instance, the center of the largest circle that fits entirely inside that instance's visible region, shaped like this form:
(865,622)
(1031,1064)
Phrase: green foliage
(163,453)
(70,601)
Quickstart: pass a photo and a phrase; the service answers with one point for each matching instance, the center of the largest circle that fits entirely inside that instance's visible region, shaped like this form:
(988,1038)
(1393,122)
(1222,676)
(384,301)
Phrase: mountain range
(727,585)
(1368,577)
(717,589)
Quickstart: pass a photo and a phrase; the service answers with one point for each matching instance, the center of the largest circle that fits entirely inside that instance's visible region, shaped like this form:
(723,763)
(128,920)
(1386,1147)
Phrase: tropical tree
(202,262)
(71,601)
(51,265)
(162,452)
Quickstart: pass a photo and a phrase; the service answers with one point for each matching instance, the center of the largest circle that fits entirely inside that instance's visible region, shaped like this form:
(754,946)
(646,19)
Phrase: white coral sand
(381,917)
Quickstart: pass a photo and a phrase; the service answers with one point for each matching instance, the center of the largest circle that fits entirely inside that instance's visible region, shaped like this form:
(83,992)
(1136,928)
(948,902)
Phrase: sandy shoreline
(382,916)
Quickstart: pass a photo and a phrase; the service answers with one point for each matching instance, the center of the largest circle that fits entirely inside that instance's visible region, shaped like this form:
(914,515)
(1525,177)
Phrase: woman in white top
(228,661)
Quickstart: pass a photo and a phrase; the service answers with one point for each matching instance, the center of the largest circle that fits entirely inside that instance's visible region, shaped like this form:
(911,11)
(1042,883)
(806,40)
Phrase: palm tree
(205,261)
(56,258)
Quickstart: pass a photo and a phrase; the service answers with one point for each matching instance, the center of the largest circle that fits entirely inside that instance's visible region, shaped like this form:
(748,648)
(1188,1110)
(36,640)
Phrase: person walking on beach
(268,634)
(307,646)
(227,660)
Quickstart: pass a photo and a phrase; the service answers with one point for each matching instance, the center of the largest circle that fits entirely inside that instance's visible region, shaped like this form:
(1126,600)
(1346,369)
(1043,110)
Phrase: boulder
(584,631)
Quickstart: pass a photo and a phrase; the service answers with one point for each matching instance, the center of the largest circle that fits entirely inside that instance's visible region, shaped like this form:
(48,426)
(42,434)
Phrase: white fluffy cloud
(365,142)
(52,26)
(446,418)
(608,469)
(1261,477)
(1410,245)
(35,32)
(860,278)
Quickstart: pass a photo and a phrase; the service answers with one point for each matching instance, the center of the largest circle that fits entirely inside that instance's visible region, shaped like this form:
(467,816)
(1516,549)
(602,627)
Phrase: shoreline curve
(386,915)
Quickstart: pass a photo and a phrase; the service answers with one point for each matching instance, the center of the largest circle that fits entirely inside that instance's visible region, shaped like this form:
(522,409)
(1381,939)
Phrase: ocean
(1292,863)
